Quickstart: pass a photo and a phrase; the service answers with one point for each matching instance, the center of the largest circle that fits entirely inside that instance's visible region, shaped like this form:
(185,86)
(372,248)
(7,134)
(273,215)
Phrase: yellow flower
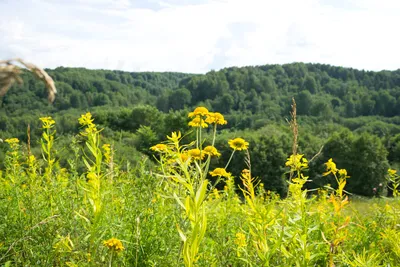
(215,193)
(216,117)
(106,147)
(91,176)
(343,173)
(90,129)
(245,171)
(330,167)
(196,122)
(238,144)
(196,153)
(12,141)
(114,244)
(240,240)
(199,111)
(220,172)
(86,119)
(107,152)
(47,122)
(175,137)
(31,159)
(211,151)
(170,161)
(159,148)
(184,156)
(297,162)
(392,172)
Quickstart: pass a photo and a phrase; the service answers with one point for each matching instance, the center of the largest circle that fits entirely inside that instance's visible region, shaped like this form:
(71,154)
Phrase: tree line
(353,114)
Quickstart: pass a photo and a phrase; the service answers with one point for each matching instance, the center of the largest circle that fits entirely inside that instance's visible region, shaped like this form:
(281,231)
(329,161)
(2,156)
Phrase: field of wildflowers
(182,213)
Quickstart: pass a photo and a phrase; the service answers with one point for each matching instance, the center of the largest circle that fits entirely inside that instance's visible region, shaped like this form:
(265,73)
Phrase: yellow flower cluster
(211,151)
(198,122)
(159,148)
(216,117)
(331,168)
(342,172)
(12,141)
(196,153)
(184,156)
(92,177)
(220,172)
(87,120)
(47,122)
(202,117)
(238,144)
(215,194)
(199,111)
(114,244)
(107,152)
(175,137)
(297,162)
(392,172)
(240,240)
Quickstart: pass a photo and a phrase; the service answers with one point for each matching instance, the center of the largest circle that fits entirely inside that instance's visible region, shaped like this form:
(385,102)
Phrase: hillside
(337,107)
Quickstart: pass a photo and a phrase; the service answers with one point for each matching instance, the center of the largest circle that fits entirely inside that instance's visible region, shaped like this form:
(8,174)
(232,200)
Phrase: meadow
(181,212)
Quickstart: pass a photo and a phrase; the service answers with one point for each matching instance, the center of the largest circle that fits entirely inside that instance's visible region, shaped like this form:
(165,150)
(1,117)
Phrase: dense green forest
(353,115)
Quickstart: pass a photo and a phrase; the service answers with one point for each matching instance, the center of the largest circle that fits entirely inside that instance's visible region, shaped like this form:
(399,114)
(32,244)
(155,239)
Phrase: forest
(352,116)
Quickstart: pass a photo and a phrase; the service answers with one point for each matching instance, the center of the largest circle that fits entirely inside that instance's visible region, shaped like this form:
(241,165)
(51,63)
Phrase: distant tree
(224,103)
(268,159)
(146,138)
(268,84)
(322,109)
(366,105)
(163,102)
(101,99)
(363,157)
(393,147)
(304,102)
(145,115)
(310,84)
(350,108)
(179,98)
(75,100)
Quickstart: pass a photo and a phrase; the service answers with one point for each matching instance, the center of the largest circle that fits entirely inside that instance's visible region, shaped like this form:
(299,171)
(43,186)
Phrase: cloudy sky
(200,35)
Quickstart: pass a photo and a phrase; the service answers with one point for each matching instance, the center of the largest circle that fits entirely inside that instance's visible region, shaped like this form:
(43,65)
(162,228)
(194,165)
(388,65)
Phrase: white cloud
(197,36)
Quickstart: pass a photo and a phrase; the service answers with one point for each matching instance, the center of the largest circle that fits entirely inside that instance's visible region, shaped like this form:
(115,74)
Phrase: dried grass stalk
(294,126)
(10,73)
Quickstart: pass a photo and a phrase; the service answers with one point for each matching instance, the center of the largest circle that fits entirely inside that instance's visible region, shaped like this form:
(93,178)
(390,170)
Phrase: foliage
(172,213)
(137,110)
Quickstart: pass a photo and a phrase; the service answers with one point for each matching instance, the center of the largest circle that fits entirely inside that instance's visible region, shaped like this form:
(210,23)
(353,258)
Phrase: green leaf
(201,192)
(83,217)
(181,234)
(179,201)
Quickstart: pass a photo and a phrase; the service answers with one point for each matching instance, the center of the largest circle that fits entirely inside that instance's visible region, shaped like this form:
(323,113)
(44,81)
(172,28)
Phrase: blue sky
(199,35)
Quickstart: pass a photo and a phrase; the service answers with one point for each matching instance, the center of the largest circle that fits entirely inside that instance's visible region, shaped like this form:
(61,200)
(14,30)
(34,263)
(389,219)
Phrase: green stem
(229,161)
(111,259)
(214,134)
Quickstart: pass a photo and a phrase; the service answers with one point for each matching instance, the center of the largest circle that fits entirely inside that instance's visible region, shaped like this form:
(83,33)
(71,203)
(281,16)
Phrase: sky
(196,36)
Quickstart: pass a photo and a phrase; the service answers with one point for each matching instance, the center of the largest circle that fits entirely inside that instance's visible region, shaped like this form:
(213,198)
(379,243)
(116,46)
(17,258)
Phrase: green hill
(352,113)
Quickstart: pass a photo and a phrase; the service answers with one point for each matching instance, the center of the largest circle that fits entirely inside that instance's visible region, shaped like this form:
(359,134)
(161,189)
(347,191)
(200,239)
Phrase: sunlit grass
(181,212)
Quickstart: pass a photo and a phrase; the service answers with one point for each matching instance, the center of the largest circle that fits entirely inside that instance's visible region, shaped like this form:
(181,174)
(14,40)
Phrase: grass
(174,215)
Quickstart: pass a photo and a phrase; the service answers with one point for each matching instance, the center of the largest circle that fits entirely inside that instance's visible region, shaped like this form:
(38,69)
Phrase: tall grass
(181,213)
